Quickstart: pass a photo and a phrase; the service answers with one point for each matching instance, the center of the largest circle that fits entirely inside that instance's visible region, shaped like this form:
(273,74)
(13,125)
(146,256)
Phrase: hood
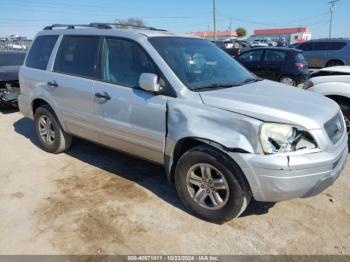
(273,102)
(9,73)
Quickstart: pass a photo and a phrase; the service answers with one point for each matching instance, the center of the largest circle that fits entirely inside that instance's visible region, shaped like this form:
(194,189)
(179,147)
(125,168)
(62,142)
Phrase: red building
(220,35)
(291,35)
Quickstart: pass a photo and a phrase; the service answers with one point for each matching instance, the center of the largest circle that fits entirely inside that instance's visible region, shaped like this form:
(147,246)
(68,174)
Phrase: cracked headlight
(281,138)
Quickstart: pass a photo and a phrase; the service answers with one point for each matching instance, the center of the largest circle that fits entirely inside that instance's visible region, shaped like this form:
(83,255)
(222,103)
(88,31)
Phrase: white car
(334,83)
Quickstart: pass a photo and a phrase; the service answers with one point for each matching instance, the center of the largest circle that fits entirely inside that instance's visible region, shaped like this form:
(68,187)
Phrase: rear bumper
(24,104)
(277,178)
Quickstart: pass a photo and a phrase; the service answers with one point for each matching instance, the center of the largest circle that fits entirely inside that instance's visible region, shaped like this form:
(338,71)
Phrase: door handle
(52,83)
(105,96)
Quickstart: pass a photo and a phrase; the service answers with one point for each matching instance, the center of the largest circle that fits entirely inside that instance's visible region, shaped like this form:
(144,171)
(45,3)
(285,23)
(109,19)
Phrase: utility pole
(231,27)
(214,19)
(332,3)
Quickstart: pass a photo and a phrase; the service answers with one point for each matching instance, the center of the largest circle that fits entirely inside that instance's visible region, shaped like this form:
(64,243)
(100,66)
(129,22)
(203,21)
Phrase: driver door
(128,118)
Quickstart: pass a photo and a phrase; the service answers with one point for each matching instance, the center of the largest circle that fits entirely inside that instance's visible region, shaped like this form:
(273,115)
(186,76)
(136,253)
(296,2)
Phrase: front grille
(335,128)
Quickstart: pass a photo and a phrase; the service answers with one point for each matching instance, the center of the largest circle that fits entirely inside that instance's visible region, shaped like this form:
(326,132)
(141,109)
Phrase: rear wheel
(211,185)
(288,80)
(334,63)
(52,138)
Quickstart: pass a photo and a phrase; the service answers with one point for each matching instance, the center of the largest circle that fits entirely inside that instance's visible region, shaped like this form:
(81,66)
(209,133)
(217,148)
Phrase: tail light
(308,84)
(299,66)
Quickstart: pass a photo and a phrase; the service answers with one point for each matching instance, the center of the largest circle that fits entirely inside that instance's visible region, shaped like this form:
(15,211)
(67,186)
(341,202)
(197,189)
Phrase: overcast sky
(27,17)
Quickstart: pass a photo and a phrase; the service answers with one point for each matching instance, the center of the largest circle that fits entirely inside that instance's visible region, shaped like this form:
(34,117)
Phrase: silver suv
(326,52)
(222,134)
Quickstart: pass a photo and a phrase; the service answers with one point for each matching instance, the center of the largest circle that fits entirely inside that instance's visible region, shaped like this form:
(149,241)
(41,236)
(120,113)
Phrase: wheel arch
(185,144)
(335,60)
(37,102)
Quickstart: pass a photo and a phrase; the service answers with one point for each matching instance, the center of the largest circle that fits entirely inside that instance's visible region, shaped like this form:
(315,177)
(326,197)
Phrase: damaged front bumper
(274,178)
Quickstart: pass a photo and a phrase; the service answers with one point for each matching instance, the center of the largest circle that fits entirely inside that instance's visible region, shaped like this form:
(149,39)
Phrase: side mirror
(149,82)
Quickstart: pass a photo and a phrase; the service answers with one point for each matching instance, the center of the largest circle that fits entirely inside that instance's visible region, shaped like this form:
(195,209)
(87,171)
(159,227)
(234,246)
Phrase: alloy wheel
(207,186)
(46,130)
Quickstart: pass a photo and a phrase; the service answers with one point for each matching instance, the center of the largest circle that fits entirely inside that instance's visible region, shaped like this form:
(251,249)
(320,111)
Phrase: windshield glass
(11,59)
(200,64)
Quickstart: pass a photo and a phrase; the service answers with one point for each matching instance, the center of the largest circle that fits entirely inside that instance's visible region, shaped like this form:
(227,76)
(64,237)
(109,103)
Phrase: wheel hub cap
(207,186)
(46,130)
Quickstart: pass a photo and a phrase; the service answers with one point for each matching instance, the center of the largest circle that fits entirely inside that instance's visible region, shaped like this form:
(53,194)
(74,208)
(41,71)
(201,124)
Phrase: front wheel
(211,185)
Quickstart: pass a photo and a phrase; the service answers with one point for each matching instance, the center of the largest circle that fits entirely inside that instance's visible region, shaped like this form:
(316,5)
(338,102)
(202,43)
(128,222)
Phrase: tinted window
(124,61)
(300,58)
(253,56)
(275,56)
(320,46)
(11,59)
(40,51)
(77,55)
(305,47)
(199,64)
(337,45)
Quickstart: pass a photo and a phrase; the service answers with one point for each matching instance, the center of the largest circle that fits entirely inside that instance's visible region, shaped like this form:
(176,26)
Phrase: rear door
(273,63)
(128,118)
(252,60)
(71,83)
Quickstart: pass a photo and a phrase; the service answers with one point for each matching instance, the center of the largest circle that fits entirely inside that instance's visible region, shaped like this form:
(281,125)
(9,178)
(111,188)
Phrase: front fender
(193,121)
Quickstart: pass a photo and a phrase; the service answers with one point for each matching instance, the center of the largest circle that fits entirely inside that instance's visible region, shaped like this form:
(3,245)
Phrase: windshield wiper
(251,80)
(215,86)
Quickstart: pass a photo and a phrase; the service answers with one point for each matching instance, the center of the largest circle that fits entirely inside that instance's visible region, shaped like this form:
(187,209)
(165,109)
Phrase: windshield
(200,64)
(11,59)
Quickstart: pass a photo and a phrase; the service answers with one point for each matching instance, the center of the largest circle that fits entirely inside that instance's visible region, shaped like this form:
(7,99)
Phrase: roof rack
(102,26)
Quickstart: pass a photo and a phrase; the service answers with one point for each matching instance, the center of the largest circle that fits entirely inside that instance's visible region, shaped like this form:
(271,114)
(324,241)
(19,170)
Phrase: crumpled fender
(231,131)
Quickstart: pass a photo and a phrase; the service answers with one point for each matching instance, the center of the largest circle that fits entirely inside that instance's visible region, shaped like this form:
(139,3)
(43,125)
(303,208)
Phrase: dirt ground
(92,200)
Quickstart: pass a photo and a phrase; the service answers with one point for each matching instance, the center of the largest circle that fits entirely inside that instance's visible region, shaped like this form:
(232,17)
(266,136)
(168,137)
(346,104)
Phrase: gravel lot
(92,200)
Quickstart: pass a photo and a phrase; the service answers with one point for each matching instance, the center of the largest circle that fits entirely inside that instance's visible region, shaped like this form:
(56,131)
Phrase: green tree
(240,31)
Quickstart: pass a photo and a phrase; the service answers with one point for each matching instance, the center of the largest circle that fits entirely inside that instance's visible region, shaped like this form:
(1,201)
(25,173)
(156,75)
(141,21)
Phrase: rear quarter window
(338,45)
(40,51)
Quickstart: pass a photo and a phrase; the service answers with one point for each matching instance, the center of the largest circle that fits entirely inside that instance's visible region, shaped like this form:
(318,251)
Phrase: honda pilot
(223,135)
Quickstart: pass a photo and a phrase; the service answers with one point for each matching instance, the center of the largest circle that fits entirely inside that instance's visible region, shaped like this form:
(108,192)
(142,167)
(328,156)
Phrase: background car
(326,52)
(10,62)
(333,82)
(229,46)
(279,64)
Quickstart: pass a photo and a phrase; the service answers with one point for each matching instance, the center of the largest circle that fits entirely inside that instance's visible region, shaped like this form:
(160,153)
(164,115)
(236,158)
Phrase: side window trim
(95,62)
(53,54)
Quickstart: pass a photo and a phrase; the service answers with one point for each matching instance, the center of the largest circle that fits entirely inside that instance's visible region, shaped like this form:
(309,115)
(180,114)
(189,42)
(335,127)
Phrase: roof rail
(73,26)
(101,26)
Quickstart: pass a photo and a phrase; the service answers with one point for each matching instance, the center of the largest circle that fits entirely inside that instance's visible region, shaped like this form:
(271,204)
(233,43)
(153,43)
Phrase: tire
(288,80)
(56,139)
(334,63)
(235,197)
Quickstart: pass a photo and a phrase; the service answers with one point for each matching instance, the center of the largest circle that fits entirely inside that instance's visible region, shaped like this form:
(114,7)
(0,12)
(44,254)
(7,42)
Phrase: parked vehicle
(326,52)
(259,43)
(10,62)
(334,83)
(230,47)
(284,65)
(222,134)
